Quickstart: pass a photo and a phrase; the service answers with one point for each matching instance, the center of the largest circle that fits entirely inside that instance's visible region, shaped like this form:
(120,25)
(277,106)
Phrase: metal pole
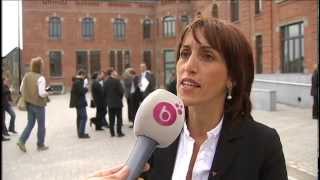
(19,49)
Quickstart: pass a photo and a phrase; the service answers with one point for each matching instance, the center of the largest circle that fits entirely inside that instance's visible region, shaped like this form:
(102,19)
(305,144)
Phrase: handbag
(92,104)
(22,104)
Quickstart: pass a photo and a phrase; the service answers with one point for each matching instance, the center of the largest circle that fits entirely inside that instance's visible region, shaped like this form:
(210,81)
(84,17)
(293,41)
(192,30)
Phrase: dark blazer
(113,92)
(6,96)
(248,151)
(152,83)
(98,94)
(314,83)
(78,94)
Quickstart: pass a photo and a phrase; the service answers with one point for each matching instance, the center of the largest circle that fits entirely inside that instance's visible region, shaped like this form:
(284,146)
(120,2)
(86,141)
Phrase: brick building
(97,34)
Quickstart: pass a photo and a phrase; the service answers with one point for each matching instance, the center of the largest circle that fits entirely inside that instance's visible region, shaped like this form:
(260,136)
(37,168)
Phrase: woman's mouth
(189,83)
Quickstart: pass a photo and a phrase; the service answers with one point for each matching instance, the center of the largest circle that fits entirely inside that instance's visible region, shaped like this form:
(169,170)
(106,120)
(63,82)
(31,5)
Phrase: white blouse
(204,158)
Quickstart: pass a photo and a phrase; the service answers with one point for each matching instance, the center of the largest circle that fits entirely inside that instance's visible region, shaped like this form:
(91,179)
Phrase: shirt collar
(211,134)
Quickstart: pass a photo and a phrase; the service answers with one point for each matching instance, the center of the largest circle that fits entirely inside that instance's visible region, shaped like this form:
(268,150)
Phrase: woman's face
(202,75)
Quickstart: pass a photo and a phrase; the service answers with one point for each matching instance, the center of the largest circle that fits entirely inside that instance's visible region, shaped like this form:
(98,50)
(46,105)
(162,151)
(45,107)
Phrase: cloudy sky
(9,36)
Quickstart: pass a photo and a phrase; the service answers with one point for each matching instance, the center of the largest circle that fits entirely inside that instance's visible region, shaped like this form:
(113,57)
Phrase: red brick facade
(274,14)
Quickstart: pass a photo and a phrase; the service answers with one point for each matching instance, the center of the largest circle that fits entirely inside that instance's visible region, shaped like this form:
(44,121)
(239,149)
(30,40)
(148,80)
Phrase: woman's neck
(204,118)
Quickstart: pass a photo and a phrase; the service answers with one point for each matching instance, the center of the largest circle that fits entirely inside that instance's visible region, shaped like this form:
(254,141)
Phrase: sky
(9,22)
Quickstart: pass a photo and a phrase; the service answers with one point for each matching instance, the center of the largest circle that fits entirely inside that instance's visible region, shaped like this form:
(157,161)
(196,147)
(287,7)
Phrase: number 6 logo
(165,114)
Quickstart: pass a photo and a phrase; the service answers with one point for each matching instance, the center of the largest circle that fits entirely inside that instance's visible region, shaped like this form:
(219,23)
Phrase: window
(169,64)
(258,6)
(214,11)
(87,28)
(292,44)
(169,26)
(184,21)
(147,29)
(259,54)
(55,63)
(147,58)
(119,59)
(55,28)
(89,61)
(82,60)
(94,61)
(119,29)
(234,10)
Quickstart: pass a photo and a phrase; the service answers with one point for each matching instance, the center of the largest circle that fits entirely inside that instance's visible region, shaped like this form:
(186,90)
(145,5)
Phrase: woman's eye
(184,54)
(207,57)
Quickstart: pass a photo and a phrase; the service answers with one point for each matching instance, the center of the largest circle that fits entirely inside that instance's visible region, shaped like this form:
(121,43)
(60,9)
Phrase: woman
(33,89)
(220,139)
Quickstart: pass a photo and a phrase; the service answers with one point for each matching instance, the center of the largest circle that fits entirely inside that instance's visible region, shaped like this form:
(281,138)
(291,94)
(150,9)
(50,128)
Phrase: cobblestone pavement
(71,158)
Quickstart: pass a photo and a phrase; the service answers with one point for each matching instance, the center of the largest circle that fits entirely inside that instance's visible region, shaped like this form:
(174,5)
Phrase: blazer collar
(227,147)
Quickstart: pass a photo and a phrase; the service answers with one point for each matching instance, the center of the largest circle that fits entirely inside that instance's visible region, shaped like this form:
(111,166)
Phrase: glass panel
(294,30)
(302,47)
(119,67)
(94,62)
(82,60)
(290,50)
(297,48)
(112,59)
(55,63)
(127,58)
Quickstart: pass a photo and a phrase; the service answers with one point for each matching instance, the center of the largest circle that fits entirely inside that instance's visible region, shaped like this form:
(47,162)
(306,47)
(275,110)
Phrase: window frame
(53,73)
(146,28)
(169,26)
(87,26)
(288,54)
(235,10)
(119,29)
(55,28)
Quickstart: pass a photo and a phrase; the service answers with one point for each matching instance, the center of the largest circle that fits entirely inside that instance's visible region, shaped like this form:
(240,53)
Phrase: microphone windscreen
(160,117)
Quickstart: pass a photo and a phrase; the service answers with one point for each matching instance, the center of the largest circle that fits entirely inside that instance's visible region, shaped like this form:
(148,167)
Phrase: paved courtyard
(71,158)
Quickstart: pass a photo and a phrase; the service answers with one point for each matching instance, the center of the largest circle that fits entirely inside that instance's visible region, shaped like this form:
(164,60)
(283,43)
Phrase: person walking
(78,101)
(147,81)
(315,92)
(33,89)
(114,93)
(7,107)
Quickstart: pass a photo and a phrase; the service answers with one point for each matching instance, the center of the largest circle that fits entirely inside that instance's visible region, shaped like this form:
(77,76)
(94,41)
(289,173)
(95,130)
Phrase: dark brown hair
(235,49)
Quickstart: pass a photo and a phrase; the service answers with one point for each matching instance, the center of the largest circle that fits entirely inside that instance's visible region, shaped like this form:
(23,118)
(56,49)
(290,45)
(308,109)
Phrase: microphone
(158,122)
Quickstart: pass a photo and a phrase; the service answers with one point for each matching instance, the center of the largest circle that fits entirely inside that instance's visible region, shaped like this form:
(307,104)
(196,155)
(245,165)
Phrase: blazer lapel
(227,148)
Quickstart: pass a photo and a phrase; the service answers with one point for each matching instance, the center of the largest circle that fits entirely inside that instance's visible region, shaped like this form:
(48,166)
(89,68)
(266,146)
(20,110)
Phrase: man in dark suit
(99,100)
(78,101)
(114,93)
(147,81)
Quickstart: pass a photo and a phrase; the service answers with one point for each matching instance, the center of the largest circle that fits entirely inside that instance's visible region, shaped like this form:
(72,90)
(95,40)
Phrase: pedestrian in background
(315,92)
(172,86)
(147,81)
(7,107)
(99,101)
(114,93)
(33,89)
(78,101)
(132,93)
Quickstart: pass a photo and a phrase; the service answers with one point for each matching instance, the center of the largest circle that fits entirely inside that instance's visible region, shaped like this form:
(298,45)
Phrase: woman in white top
(220,140)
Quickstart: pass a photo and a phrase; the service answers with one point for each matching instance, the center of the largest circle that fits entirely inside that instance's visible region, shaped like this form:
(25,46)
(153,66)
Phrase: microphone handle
(140,154)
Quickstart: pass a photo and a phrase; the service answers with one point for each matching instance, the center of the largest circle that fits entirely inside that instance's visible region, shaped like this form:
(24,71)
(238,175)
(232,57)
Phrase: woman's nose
(191,65)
